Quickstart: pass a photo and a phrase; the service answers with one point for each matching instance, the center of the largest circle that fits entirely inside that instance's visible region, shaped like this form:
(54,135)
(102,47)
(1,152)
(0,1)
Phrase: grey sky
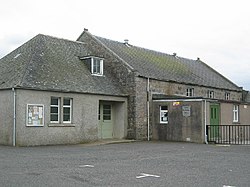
(216,31)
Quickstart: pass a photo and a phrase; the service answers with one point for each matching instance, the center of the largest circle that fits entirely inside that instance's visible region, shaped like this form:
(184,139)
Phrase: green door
(214,120)
(105,129)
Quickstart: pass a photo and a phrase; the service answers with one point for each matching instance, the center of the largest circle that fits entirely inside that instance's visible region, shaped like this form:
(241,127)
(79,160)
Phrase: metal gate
(228,134)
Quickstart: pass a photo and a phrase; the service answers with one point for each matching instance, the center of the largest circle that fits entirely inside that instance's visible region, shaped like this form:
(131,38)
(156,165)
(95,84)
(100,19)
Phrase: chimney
(198,59)
(174,54)
(86,30)
(126,41)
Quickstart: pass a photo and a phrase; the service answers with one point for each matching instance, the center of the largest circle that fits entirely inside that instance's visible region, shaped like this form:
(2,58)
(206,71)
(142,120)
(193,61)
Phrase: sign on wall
(35,115)
(186,111)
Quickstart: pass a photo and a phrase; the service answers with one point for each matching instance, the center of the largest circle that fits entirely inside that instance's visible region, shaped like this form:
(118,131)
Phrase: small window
(54,109)
(67,102)
(164,114)
(236,113)
(190,92)
(106,112)
(227,96)
(210,94)
(96,66)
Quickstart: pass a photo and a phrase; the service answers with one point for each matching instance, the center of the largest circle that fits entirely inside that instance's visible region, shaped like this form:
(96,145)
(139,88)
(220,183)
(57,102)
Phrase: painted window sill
(61,125)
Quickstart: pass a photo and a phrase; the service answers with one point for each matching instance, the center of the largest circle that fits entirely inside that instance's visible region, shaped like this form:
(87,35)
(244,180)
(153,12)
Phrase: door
(214,120)
(105,129)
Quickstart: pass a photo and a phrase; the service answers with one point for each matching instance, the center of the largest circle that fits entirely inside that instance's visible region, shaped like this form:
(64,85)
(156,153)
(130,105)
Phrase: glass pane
(164,107)
(53,117)
(66,101)
(66,110)
(54,110)
(66,117)
(54,101)
(106,117)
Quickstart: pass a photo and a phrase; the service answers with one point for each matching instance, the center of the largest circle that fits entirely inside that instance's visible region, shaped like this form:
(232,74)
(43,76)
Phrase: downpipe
(14,118)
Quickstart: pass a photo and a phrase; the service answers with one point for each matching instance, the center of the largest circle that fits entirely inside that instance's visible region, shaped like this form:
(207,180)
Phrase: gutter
(14,118)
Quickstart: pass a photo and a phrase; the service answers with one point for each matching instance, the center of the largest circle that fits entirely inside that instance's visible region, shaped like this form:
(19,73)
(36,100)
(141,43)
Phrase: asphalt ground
(126,164)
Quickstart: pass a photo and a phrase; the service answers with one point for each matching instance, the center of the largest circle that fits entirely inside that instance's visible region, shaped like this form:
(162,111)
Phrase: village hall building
(57,91)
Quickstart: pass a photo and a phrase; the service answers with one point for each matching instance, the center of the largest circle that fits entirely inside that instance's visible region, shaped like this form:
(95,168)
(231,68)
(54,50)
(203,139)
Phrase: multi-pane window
(163,114)
(56,116)
(96,66)
(190,92)
(67,102)
(106,112)
(236,113)
(227,96)
(210,94)
(54,109)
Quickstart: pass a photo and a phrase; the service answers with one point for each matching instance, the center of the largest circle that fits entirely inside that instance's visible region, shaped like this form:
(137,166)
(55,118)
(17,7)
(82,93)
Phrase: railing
(228,134)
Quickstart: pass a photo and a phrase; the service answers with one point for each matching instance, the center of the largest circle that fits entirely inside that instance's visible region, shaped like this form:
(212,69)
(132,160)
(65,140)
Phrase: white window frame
(163,112)
(70,110)
(92,66)
(235,113)
(190,92)
(210,94)
(58,106)
(227,96)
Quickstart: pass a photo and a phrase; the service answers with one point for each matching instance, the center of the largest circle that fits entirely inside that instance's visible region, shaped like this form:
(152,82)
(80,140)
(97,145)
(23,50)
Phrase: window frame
(58,107)
(190,92)
(70,109)
(227,96)
(93,65)
(162,111)
(210,94)
(235,113)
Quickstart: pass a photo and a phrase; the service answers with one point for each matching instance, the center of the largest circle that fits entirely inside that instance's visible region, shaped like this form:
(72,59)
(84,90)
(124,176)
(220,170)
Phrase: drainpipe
(205,121)
(148,106)
(14,118)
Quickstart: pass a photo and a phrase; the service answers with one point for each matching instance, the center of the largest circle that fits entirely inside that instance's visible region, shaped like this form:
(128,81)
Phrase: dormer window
(95,65)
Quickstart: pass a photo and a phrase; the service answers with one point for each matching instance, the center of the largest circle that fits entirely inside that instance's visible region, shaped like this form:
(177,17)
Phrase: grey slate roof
(49,63)
(167,67)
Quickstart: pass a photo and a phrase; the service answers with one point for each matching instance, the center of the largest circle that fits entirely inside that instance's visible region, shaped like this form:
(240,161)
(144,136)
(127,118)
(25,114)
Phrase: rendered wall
(84,127)
(180,127)
(6,117)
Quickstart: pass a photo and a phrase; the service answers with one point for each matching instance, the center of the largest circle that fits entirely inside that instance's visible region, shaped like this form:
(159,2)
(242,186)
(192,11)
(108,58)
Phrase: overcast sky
(216,31)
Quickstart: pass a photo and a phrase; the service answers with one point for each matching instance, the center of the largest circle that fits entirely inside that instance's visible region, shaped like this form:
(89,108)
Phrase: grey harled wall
(179,128)
(84,123)
(6,117)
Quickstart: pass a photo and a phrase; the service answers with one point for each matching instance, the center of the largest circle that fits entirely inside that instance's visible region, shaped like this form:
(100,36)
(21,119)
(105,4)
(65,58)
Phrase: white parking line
(86,166)
(147,175)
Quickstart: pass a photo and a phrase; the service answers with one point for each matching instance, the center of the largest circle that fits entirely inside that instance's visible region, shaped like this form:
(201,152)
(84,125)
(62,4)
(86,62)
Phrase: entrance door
(214,120)
(105,121)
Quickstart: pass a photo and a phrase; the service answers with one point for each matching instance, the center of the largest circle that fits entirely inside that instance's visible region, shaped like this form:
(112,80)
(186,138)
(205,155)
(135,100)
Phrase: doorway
(214,120)
(105,118)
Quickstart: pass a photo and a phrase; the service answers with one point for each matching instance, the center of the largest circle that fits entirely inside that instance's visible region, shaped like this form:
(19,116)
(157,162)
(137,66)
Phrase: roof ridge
(147,49)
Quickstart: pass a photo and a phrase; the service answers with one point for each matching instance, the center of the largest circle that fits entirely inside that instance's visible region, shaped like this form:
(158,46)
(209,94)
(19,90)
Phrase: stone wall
(123,74)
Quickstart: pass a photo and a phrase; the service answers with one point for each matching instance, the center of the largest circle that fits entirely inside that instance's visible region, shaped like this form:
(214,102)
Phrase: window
(67,102)
(96,66)
(190,92)
(55,110)
(227,96)
(210,94)
(106,112)
(236,113)
(164,114)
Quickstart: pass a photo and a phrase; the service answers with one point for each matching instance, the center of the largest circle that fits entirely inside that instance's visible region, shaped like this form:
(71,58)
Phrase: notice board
(35,115)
